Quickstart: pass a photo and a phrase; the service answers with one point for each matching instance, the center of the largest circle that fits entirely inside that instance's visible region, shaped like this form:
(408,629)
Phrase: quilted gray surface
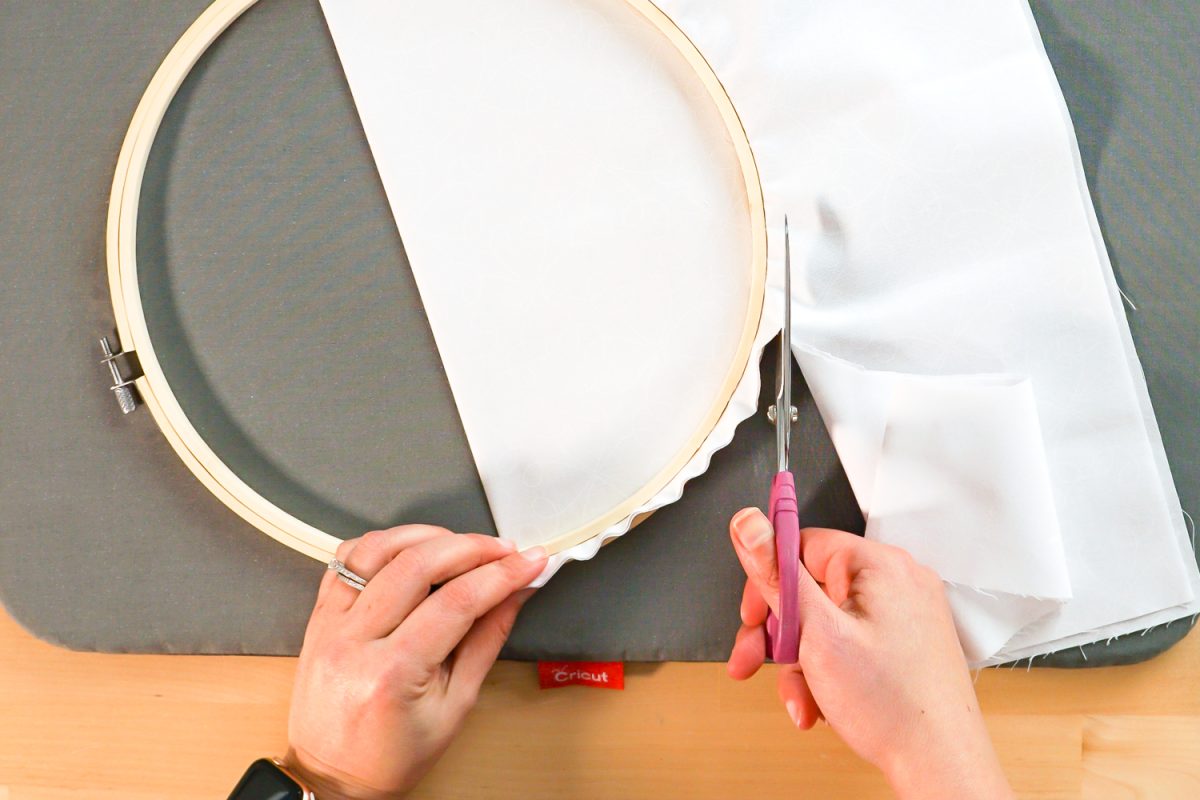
(277,288)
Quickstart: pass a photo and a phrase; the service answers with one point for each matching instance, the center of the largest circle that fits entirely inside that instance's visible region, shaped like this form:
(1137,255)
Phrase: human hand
(879,659)
(387,675)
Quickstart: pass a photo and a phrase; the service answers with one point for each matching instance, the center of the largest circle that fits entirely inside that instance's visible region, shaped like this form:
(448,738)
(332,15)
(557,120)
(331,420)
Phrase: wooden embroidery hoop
(157,395)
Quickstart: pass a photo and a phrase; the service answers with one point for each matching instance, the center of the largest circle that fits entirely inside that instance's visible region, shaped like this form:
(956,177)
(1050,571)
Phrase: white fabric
(575,219)
(925,155)
(956,318)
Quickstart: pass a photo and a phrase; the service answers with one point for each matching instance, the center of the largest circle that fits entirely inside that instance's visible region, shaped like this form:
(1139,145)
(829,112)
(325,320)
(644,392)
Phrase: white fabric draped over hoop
(957,318)
(588,245)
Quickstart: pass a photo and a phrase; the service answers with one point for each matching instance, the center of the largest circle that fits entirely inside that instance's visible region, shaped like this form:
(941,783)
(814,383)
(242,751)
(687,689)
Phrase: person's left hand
(386,676)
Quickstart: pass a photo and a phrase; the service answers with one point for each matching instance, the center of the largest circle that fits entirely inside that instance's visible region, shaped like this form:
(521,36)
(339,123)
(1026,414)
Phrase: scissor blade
(783,378)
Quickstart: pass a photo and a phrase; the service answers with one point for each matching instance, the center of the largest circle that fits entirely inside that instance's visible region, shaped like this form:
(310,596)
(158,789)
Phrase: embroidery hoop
(158,396)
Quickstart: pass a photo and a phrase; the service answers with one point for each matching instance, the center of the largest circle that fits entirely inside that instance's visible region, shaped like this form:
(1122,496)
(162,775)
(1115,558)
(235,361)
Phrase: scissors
(783,629)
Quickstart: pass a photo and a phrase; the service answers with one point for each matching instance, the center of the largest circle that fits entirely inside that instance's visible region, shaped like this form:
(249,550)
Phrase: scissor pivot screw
(773,413)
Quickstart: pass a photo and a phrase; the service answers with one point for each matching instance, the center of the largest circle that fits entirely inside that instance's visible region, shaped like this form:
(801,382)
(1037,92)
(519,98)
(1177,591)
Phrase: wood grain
(86,725)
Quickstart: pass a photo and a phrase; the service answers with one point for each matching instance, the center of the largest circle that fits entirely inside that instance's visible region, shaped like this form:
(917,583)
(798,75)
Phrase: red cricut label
(601,674)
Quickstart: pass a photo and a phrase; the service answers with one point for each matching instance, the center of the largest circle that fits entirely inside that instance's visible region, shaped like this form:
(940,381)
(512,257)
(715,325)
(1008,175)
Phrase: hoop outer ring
(157,395)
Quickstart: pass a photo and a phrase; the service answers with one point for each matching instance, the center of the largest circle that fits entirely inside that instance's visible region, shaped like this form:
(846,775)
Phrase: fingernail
(508,543)
(534,553)
(793,712)
(752,528)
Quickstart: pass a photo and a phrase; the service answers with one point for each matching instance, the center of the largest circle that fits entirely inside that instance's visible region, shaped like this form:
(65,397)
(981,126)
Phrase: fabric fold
(953,470)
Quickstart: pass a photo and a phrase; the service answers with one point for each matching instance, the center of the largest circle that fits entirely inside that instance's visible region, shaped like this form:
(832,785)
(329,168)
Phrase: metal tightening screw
(121,387)
(772,413)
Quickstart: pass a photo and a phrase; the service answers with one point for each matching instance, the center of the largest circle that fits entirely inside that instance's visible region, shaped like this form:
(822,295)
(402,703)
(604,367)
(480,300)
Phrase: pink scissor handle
(783,631)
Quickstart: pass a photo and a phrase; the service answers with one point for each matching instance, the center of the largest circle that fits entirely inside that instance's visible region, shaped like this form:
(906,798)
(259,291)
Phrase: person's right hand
(879,659)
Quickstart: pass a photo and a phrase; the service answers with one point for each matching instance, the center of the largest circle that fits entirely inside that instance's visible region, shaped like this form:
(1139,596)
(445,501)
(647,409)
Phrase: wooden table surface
(85,725)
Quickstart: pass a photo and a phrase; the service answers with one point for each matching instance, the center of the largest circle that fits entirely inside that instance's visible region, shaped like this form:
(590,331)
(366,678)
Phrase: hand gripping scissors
(783,629)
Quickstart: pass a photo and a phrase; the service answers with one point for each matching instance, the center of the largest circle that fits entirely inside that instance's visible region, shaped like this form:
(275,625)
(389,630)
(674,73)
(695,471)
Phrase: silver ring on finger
(348,576)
